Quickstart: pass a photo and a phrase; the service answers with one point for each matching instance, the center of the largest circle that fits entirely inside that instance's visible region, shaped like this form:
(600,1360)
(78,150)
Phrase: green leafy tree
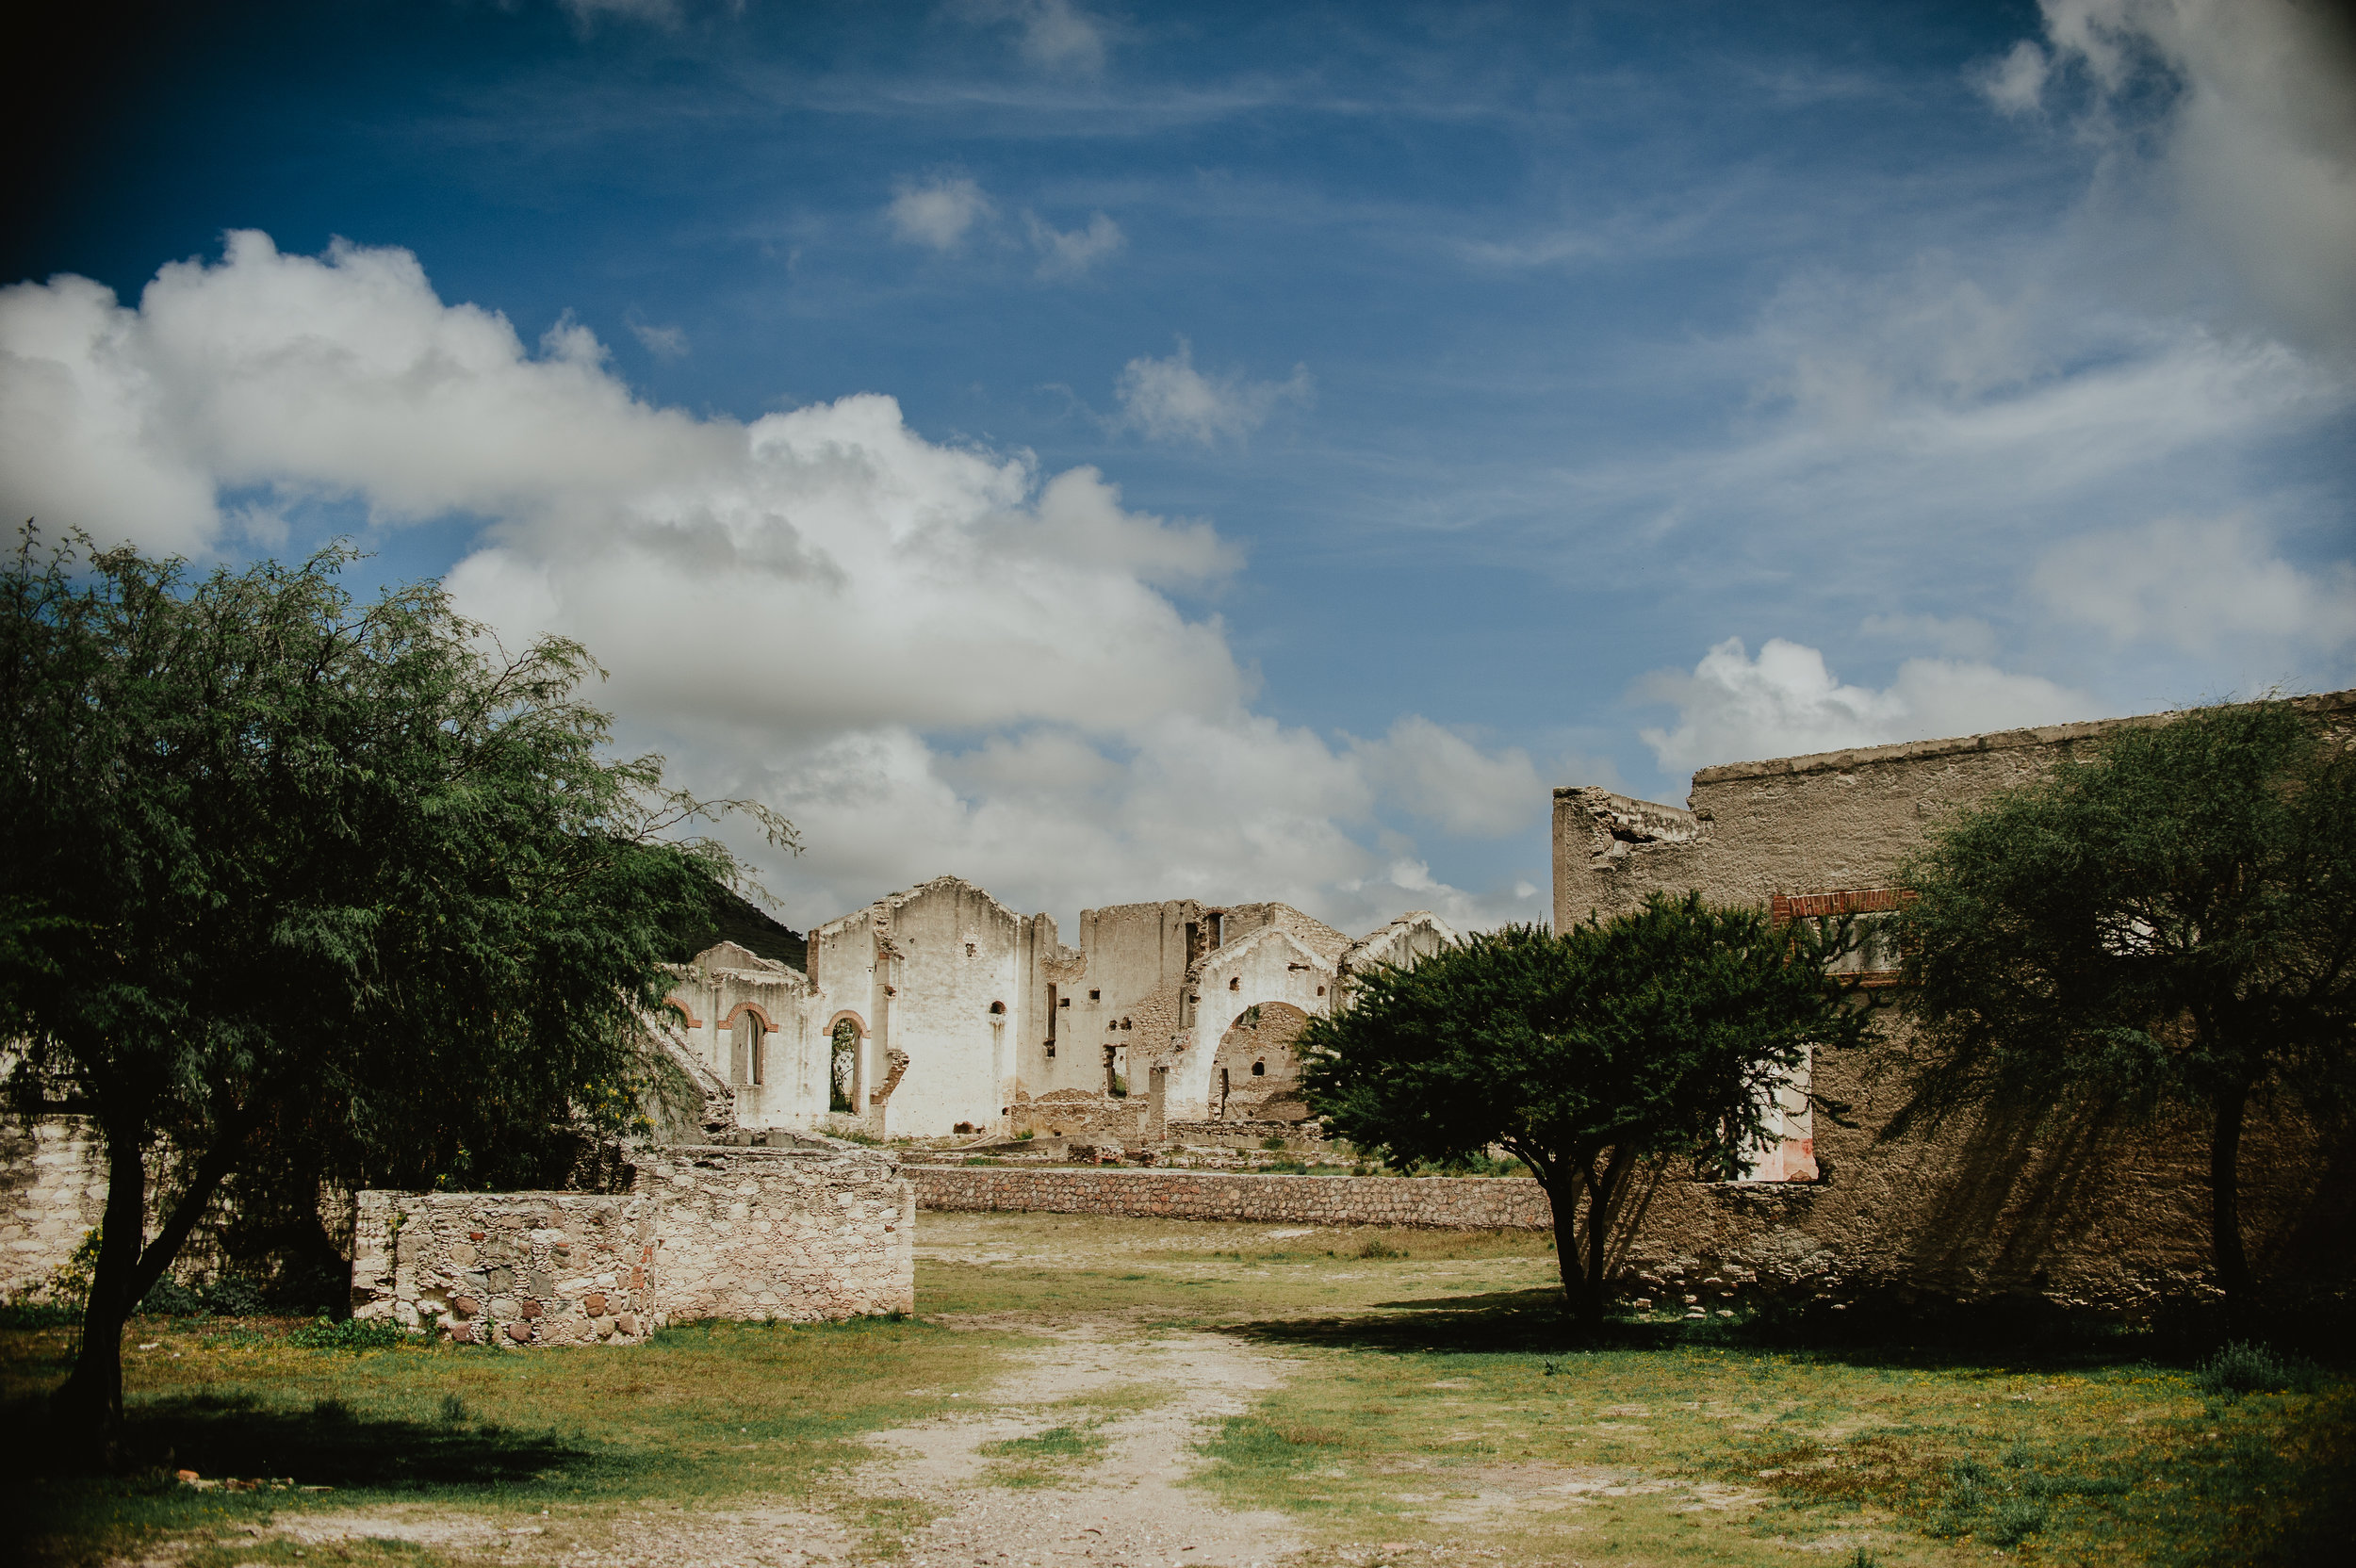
(1589,1056)
(300,890)
(2169,924)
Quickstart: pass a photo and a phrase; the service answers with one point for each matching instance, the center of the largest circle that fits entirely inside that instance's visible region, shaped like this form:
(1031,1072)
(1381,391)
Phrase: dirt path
(1132,1402)
(1123,1503)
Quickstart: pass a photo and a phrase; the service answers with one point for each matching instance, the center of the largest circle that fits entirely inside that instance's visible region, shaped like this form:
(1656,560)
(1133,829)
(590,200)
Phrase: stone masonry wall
(1514,1203)
(804,1236)
(520,1267)
(53,1191)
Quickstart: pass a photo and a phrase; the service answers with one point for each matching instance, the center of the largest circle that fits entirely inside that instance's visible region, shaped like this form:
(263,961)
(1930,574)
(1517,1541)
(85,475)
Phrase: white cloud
(1070,254)
(1056,35)
(2243,115)
(1168,400)
(2015,84)
(2195,584)
(1786,703)
(661,342)
(932,658)
(1440,775)
(939,212)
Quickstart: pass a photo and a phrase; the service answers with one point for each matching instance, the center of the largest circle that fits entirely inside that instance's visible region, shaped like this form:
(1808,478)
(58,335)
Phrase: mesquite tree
(296,884)
(1589,1056)
(2169,923)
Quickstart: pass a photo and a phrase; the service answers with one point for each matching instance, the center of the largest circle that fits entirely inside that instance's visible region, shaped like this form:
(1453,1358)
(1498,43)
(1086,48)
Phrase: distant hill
(734,919)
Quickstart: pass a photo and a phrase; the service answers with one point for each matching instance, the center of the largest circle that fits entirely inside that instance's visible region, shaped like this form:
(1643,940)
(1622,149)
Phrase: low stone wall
(805,1233)
(520,1267)
(802,1234)
(1499,1203)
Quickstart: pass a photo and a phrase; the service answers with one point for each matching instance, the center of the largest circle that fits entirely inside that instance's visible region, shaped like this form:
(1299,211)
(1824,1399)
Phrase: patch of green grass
(701,1412)
(2093,1459)
(1043,1458)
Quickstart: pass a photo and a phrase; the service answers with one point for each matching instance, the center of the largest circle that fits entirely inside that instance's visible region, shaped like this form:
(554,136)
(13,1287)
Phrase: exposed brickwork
(1501,1203)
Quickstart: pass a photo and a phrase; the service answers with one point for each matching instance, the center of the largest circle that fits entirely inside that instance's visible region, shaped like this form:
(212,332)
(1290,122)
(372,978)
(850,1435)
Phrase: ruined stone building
(2080,1208)
(939,1010)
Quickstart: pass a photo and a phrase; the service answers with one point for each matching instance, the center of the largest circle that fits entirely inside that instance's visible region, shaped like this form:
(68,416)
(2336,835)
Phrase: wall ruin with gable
(967,1012)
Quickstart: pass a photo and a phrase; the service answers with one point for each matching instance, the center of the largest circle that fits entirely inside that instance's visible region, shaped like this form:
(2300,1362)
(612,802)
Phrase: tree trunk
(1602,1192)
(88,1406)
(2233,1264)
(1563,1197)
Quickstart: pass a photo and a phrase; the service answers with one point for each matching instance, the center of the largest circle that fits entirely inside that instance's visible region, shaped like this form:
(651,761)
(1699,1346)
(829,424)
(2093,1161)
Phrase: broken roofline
(1605,804)
(1344,943)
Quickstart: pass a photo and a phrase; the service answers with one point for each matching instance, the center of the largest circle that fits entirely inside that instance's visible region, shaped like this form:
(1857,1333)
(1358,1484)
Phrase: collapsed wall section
(801,1235)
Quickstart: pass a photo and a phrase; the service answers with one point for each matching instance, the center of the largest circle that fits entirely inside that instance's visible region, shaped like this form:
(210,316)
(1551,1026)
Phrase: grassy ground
(1429,1403)
(703,1413)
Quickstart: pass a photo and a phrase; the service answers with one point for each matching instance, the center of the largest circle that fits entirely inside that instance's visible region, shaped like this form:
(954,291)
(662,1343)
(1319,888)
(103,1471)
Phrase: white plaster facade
(963,1009)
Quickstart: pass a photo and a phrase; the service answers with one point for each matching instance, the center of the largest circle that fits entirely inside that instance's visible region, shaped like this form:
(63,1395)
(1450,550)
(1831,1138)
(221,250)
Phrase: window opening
(1259,1070)
(1096,996)
(844,1069)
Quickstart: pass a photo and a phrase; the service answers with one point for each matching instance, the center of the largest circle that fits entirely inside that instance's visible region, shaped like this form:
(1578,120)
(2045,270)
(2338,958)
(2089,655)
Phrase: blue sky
(1314,432)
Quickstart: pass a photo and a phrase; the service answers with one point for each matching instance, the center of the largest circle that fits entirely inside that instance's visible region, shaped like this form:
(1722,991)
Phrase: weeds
(2241,1368)
(352,1333)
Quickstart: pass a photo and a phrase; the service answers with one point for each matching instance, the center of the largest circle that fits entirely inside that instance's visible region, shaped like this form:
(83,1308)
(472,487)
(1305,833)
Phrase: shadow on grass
(2001,1334)
(328,1445)
(52,1500)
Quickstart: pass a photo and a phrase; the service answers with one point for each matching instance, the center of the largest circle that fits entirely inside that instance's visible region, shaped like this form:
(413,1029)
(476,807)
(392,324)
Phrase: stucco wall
(2092,1212)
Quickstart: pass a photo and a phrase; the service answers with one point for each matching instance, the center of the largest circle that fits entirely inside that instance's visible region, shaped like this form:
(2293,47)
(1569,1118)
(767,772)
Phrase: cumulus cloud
(1440,775)
(937,212)
(1733,707)
(1054,35)
(1168,400)
(2243,112)
(931,657)
(2197,583)
(1069,254)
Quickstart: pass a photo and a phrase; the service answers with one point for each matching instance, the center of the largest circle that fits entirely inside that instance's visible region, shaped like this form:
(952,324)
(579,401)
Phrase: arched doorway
(749,1030)
(1255,1076)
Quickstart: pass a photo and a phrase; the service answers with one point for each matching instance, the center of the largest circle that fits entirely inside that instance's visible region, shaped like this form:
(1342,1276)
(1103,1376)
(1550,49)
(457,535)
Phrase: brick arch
(741,1009)
(674,1000)
(856,1022)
